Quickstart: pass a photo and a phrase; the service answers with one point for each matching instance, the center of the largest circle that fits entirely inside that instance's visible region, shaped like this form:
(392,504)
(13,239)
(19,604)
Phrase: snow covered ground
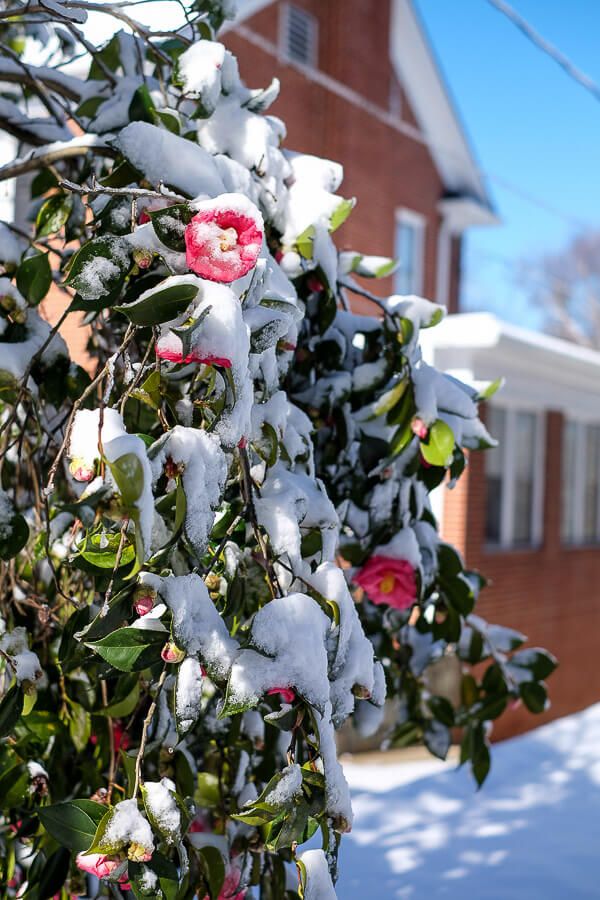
(421,830)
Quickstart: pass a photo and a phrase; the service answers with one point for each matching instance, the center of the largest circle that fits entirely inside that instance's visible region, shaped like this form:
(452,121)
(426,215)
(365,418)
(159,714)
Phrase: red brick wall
(551,594)
(384,168)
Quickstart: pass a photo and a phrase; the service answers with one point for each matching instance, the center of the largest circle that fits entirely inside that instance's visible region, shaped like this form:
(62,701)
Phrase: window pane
(569,444)
(592,469)
(407,252)
(494,468)
(524,462)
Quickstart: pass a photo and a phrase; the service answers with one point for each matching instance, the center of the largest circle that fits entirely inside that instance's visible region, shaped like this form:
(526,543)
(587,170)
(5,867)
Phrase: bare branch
(51,153)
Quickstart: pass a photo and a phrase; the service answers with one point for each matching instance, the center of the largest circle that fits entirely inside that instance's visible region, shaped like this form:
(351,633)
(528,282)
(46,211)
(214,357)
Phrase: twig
(144,737)
(77,405)
(50,153)
(247,490)
(95,189)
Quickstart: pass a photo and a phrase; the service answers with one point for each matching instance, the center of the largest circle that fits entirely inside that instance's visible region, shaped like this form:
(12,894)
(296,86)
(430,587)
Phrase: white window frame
(286,11)
(444,258)
(418,222)
(579,538)
(507,509)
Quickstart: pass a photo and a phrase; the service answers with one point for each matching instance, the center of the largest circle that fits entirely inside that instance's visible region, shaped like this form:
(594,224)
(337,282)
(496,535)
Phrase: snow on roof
(421,77)
(541,371)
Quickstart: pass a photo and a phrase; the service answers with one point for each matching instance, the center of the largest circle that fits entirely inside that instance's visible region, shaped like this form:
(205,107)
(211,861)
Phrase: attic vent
(299,36)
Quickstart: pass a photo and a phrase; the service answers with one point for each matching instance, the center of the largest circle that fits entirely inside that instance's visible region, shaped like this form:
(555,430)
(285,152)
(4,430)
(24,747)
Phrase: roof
(467,201)
(420,74)
(541,372)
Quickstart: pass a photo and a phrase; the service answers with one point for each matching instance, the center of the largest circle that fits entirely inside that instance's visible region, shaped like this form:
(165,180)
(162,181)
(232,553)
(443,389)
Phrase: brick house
(359,85)
(527,514)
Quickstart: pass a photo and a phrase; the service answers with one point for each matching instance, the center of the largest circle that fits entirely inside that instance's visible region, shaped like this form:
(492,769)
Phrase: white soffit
(541,372)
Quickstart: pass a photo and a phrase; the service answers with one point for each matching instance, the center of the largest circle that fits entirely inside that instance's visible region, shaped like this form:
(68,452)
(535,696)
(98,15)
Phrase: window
(408,251)
(514,478)
(299,35)
(580,483)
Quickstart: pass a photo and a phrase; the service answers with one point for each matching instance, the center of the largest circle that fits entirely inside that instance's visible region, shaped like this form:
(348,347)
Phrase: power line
(546,47)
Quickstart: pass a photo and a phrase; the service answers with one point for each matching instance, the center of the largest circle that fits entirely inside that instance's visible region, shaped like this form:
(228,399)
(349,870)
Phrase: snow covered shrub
(217,543)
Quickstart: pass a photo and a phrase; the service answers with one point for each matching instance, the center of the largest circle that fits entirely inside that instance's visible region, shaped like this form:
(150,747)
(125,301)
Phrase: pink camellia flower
(100,865)
(287,694)
(388,580)
(223,239)
(231,885)
(171,653)
(419,428)
(80,469)
(171,354)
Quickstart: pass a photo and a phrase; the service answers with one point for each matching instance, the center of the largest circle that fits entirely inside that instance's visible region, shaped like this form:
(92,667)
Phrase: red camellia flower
(288,695)
(101,866)
(223,239)
(388,580)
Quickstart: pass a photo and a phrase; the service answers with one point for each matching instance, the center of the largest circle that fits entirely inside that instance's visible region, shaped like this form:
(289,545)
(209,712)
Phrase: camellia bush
(217,540)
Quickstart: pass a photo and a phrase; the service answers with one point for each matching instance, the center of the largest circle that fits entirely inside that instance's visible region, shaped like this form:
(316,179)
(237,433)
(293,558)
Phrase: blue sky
(530,124)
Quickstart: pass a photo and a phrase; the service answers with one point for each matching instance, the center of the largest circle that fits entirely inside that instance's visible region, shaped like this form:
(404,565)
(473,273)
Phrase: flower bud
(138,853)
(171,653)
(212,581)
(419,428)
(142,257)
(80,469)
(144,599)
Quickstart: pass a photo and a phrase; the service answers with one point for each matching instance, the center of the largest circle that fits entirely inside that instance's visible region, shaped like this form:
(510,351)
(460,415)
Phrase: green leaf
(99,285)
(304,242)
(490,389)
(156,306)
(14,538)
(539,662)
(72,823)
(169,224)
(44,181)
(208,792)
(341,213)
(120,708)
(34,277)
(442,710)
(128,472)
(11,708)
(53,214)
(130,649)
(438,447)
(142,108)
(101,551)
(401,439)
(534,695)
(51,876)
(214,869)
(166,870)
(390,398)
